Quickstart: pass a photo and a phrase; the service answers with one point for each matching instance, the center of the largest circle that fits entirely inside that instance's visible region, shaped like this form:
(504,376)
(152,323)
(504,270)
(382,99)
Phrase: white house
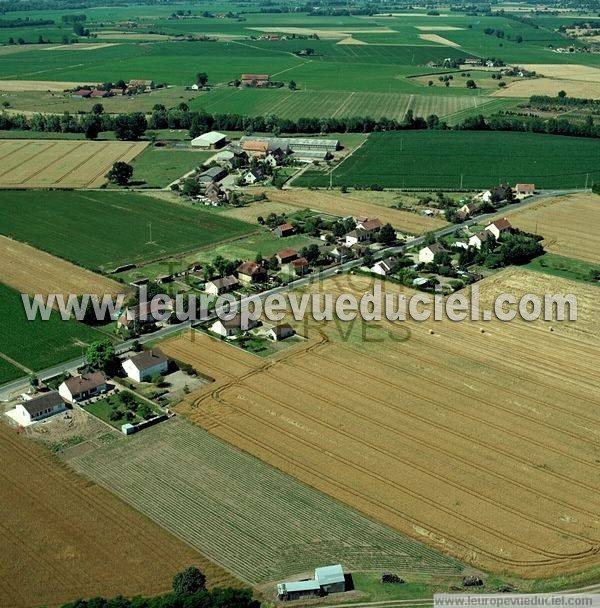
(209,141)
(485,196)
(280,332)
(40,407)
(253,176)
(79,388)
(427,254)
(499,227)
(477,240)
(228,328)
(356,236)
(218,286)
(383,267)
(145,365)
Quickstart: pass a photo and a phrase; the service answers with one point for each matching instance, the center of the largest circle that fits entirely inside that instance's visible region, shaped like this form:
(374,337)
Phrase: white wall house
(145,365)
(40,407)
(80,388)
(499,227)
(427,254)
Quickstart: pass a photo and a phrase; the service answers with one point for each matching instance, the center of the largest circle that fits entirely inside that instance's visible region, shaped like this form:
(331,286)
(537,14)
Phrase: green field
(259,523)
(465,159)
(567,268)
(38,344)
(9,372)
(158,167)
(108,229)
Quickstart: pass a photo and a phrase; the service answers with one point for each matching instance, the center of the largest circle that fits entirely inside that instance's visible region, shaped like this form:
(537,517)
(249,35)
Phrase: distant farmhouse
(301,148)
(328,579)
(255,80)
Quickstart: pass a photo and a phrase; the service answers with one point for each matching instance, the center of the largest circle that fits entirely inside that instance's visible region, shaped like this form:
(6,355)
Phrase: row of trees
(126,126)
(189,591)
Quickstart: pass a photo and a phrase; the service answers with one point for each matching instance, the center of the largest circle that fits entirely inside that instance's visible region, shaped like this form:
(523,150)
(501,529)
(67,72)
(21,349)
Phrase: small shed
(331,579)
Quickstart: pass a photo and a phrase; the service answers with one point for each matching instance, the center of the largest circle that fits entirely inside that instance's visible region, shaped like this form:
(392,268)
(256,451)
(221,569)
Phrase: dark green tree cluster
(189,591)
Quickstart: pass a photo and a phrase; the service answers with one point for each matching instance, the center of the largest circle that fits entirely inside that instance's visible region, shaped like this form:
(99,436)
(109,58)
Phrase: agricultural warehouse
(209,141)
(296,144)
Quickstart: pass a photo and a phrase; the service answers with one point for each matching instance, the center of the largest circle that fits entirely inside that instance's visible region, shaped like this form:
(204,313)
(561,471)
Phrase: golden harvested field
(567,223)
(64,537)
(570,71)
(32,271)
(482,444)
(549,86)
(68,164)
(37,85)
(438,39)
(346,204)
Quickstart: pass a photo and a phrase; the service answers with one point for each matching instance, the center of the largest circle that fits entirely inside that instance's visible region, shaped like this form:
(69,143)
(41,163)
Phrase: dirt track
(482,444)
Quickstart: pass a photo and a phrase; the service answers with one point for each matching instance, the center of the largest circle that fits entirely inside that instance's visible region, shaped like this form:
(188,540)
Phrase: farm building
(255,148)
(209,141)
(251,272)
(145,313)
(286,256)
(80,388)
(466,211)
(218,286)
(275,157)
(40,407)
(477,240)
(298,590)
(525,189)
(214,174)
(340,253)
(331,579)
(499,227)
(255,80)
(297,145)
(280,332)
(145,85)
(283,230)
(427,254)
(328,579)
(81,94)
(145,365)
(228,328)
(98,94)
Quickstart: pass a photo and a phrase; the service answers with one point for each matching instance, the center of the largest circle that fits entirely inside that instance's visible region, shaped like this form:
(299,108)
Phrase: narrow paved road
(15,387)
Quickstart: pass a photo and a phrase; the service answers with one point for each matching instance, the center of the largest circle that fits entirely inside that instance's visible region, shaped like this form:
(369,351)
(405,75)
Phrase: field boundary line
(15,363)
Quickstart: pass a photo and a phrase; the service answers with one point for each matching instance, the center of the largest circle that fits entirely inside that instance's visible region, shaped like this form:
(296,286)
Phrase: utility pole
(461,181)
(587,177)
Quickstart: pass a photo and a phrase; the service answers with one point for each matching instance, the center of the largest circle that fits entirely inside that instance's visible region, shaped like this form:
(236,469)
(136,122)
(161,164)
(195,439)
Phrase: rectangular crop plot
(477,438)
(259,523)
(61,164)
(102,230)
(468,159)
(39,344)
(64,537)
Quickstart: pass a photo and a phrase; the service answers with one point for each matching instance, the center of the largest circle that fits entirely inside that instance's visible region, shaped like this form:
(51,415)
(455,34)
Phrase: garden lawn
(103,230)
(158,167)
(567,268)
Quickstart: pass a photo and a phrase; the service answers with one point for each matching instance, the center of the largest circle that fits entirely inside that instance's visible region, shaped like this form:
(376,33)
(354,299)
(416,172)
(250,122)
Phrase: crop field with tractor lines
(259,523)
(64,537)
(434,428)
(61,164)
(465,159)
(76,226)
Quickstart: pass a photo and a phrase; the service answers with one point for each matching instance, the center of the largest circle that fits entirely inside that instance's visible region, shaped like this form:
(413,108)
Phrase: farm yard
(348,204)
(35,345)
(76,226)
(259,523)
(465,159)
(567,224)
(467,472)
(64,537)
(64,164)
(32,271)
